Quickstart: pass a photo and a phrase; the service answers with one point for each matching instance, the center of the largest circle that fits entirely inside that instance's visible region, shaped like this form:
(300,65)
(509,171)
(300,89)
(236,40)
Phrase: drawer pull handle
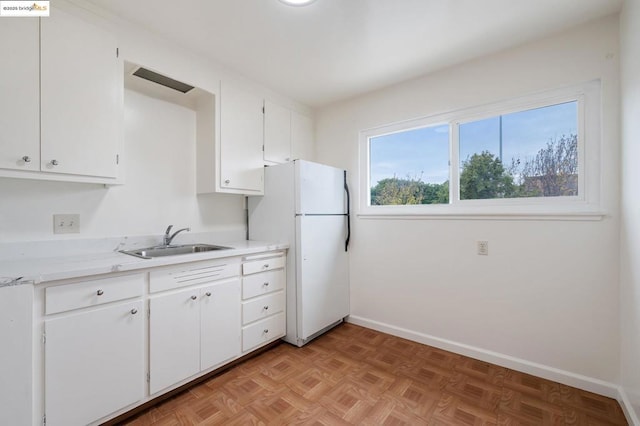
(265,266)
(266,308)
(99,292)
(194,297)
(266,331)
(208,294)
(134,311)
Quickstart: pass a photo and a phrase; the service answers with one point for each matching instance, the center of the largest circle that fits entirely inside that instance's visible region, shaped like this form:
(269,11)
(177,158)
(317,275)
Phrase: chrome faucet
(168,238)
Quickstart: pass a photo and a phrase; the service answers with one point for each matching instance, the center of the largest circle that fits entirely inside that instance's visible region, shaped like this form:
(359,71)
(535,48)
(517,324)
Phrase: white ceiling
(336,49)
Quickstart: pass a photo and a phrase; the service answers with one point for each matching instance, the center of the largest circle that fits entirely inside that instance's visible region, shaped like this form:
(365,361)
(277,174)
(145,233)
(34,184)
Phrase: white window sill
(563,216)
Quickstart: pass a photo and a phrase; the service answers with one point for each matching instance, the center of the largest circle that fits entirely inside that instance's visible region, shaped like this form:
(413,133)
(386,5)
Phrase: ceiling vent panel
(162,80)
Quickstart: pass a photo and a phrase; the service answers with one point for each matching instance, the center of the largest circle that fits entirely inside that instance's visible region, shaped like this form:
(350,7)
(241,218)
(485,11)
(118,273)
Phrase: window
(410,167)
(531,153)
(524,156)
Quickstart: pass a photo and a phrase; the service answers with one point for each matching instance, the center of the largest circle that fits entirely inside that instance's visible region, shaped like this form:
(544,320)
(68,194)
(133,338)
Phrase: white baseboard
(550,373)
(627,407)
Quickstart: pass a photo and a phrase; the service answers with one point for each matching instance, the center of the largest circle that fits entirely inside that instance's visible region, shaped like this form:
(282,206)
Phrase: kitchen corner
(152,325)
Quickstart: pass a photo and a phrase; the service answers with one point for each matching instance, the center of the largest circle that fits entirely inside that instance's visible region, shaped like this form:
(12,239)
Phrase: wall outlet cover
(483,248)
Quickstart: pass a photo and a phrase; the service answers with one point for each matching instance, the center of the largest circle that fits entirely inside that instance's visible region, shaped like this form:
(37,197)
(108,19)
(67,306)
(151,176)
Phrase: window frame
(585,205)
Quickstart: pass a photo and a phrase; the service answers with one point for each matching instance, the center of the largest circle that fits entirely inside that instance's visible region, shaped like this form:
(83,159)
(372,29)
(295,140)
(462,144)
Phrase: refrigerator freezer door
(319,189)
(323,273)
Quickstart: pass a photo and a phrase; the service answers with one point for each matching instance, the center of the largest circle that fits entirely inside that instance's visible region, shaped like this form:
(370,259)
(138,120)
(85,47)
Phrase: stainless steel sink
(160,251)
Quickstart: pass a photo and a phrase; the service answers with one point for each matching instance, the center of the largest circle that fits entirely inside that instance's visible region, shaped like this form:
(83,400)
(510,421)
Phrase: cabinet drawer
(262,307)
(192,274)
(262,265)
(259,284)
(263,331)
(95,292)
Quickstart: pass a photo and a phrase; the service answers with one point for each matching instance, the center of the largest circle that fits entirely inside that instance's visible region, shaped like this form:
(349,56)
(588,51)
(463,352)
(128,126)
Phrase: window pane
(532,153)
(410,167)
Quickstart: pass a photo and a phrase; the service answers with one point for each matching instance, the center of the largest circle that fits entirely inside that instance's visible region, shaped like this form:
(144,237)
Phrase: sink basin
(160,251)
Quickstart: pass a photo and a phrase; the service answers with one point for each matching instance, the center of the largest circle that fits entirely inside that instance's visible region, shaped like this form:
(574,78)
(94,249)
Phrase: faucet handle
(168,230)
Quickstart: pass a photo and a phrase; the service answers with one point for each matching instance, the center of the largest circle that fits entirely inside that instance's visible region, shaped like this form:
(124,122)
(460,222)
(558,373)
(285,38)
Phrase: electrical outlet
(66,223)
(483,248)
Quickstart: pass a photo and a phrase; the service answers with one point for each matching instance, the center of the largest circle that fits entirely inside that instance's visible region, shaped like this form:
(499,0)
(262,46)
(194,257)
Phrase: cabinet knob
(227,181)
(266,308)
(265,284)
(208,294)
(26,159)
(265,331)
(194,297)
(134,311)
(99,292)
(265,266)
(54,162)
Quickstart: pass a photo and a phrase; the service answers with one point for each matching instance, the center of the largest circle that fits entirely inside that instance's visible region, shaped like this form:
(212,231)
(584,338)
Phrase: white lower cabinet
(219,323)
(263,332)
(192,330)
(94,363)
(174,339)
(263,300)
(112,343)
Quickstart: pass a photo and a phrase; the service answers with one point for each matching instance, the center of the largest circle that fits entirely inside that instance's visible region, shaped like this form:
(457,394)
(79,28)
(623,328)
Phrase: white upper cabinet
(288,135)
(277,133)
(19,94)
(302,137)
(61,97)
(81,97)
(241,138)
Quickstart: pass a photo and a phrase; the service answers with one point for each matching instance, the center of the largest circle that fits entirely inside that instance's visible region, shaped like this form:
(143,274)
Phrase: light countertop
(34,270)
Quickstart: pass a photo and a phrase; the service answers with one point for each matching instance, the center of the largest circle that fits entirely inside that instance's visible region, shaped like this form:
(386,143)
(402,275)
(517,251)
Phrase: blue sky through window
(524,133)
(417,153)
(423,153)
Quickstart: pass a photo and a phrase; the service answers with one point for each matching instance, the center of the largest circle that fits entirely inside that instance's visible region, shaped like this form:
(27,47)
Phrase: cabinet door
(174,338)
(302,137)
(220,323)
(94,363)
(277,133)
(81,97)
(19,94)
(241,136)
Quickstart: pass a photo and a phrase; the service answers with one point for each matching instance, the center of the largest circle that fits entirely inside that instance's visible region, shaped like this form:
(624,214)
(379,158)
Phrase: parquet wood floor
(357,376)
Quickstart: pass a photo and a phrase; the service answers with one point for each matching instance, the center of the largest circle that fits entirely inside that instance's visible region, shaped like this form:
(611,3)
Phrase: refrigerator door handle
(346,188)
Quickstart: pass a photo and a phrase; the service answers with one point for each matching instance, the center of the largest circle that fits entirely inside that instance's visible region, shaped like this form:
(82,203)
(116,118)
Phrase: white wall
(630,211)
(159,155)
(548,292)
(159,190)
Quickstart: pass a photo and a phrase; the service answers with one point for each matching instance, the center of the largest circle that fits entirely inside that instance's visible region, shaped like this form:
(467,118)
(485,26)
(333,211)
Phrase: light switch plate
(66,223)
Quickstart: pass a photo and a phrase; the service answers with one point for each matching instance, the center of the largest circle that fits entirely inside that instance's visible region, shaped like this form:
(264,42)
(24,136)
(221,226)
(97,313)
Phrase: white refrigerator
(307,205)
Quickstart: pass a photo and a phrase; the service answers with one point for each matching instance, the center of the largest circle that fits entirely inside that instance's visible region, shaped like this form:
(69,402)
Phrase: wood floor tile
(357,376)
(523,408)
(414,397)
(430,375)
(452,409)
(312,384)
(390,412)
(477,392)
